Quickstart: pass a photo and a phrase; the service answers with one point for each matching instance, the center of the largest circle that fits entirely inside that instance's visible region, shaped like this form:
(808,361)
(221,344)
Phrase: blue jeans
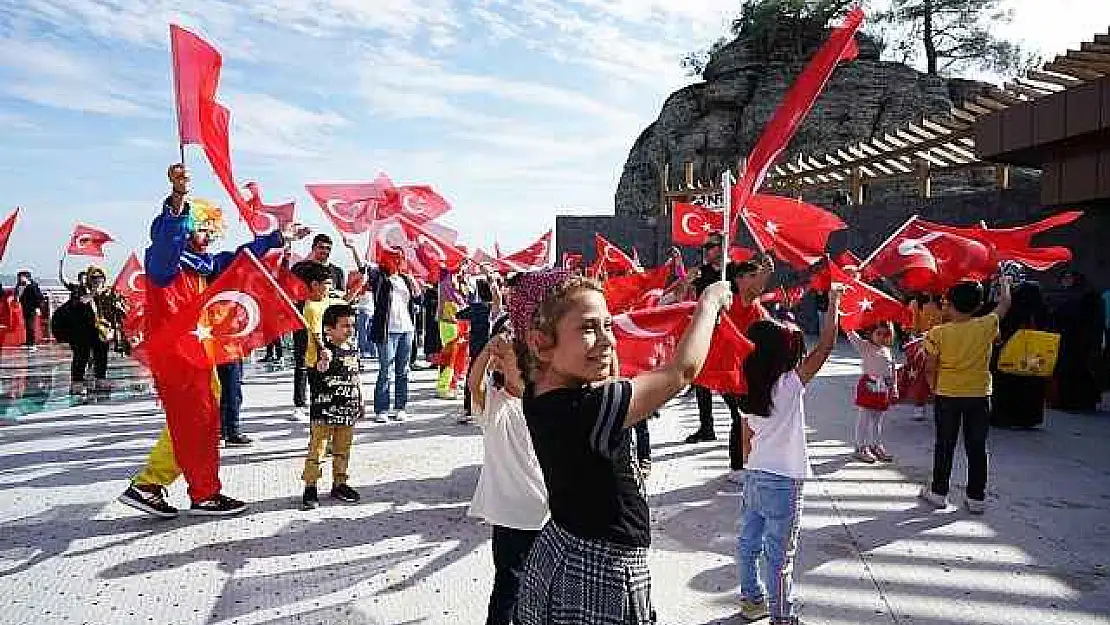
(231,397)
(365,345)
(393,357)
(770,518)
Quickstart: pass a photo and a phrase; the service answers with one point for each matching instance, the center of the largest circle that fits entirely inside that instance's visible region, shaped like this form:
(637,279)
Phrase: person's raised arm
(476,377)
(1005,296)
(350,245)
(816,358)
(653,389)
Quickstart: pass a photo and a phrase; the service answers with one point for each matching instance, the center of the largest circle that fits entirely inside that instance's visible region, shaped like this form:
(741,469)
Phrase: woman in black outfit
(1019,401)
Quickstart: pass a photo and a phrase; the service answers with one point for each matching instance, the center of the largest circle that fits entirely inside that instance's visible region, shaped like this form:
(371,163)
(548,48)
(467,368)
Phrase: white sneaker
(927,495)
(919,413)
(380,418)
(400,415)
(300,415)
(464,419)
(863,454)
(975,506)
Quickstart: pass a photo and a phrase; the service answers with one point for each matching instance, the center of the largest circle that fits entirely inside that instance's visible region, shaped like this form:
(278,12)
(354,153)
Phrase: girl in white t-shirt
(876,391)
(777,372)
(511,495)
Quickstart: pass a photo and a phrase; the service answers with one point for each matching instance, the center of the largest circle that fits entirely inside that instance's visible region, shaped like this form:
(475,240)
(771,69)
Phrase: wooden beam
(963,115)
(688,169)
(857,187)
(976,108)
(1087,46)
(1008,99)
(1027,91)
(989,103)
(1074,69)
(924,181)
(934,127)
(1094,57)
(1002,176)
(1052,79)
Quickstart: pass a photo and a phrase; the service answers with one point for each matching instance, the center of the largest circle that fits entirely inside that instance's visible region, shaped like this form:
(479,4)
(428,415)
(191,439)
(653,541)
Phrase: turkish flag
(787,297)
(571,261)
(1016,244)
(930,260)
(795,106)
(266,219)
(610,259)
(862,305)
(532,258)
(419,203)
(6,231)
(387,240)
(691,224)
(277,262)
(647,339)
(196,77)
(131,281)
(131,284)
(88,241)
(791,229)
(433,253)
(622,293)
(242,310)
(351,207)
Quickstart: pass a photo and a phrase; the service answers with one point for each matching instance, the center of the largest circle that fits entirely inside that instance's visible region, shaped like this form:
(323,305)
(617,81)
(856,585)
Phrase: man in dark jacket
(31,299)
(320,254)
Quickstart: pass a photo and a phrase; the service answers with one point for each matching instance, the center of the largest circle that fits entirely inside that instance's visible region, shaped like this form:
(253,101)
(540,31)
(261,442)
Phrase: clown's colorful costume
(190,395)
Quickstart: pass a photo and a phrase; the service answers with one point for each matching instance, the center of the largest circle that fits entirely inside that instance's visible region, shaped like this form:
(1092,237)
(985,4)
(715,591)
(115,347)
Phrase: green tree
(762,21)
(952,35)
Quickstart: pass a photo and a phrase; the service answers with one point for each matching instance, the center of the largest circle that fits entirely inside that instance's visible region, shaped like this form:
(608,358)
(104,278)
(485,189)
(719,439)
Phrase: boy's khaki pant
(341,437)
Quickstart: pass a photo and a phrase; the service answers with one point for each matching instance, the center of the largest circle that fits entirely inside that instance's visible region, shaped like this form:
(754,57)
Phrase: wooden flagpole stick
(726,239)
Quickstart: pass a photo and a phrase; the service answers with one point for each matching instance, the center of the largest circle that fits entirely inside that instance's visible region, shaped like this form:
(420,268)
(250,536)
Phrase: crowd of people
(531,357)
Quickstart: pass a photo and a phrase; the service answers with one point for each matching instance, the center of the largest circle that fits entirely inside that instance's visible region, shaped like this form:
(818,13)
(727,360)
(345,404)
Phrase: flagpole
(897,232)
(726,239)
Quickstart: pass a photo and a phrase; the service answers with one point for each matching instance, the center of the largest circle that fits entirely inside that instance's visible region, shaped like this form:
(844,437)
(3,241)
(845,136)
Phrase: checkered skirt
(573,581)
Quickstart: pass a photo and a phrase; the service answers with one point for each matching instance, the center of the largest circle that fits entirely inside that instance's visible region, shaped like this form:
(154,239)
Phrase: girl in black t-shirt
(589,564)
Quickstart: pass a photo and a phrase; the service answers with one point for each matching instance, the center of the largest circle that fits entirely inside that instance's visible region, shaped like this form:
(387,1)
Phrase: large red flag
(351,207)
(266,218)
(88,241)
(1016,244)
(532,258)
(623,292)
(419,203)
(609,258)
(196,77)
(925,259)
(862,305)
(841,46)
(434,253)
(277,262)
(6,232)
(242,310)
(215,121)
(691,224)
(791,229)
(647,339)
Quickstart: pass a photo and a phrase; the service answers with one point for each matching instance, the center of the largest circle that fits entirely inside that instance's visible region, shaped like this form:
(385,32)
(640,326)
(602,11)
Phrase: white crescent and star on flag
(249,305)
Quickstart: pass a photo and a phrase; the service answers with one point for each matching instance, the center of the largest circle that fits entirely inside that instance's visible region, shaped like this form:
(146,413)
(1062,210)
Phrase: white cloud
(267,126)
(45,75)
(11,121)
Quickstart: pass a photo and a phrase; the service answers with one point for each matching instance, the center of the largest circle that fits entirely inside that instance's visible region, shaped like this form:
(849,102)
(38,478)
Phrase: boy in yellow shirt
(958,369)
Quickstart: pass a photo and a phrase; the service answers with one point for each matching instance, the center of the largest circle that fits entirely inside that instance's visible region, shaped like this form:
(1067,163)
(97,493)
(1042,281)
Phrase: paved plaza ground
(871,553)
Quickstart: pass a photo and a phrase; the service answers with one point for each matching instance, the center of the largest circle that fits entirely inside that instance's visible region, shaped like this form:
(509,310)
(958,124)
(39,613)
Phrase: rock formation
(714,122)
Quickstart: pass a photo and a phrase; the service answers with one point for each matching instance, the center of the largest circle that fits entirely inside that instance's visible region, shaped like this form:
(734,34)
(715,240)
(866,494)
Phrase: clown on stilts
(178,269)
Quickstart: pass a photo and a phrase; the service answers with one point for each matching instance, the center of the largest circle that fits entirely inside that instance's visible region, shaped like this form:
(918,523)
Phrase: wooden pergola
(943,143)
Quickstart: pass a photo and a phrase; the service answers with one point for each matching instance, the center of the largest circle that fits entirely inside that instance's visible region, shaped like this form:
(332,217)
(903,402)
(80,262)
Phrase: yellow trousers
(448,332)
(341,437)
(161,465)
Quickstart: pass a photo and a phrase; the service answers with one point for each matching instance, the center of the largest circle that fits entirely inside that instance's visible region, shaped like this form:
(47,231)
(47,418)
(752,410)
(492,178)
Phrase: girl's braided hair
(542,302)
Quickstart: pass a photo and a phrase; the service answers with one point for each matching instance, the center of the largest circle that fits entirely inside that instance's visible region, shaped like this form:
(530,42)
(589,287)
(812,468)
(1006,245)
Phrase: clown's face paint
(199,240)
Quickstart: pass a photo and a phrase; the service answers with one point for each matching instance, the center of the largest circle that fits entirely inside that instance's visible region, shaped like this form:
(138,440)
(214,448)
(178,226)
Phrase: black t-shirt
(585,453)
(336,393)
(706,276)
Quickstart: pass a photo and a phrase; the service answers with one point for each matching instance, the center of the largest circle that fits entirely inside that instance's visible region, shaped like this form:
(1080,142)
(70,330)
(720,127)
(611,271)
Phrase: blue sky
(515,110)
